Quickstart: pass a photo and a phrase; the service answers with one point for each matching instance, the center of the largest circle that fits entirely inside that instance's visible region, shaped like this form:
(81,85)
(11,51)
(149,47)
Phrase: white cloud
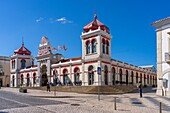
(63,20)
(39,19)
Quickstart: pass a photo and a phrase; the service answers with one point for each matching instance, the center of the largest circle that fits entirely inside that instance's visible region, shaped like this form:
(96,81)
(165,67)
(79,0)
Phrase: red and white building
(96,52)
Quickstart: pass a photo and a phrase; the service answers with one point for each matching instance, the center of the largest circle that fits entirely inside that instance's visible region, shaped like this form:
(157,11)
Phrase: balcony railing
(167,58)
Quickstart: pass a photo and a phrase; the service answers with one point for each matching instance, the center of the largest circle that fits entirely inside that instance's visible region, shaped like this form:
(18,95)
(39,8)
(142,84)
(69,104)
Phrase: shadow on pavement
(146,90)
(55,96)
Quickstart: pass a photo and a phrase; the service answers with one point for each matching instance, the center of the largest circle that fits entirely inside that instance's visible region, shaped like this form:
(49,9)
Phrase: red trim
(107,42)
(64,70)
(22,58)
(105,37)
(77,68)
(106,62)
(93,39)
(87,42)
(103,41)
(64,66)
(91,62)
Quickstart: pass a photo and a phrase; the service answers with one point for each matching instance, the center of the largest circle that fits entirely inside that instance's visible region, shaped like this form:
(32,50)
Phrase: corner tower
(96,41)
(21,59)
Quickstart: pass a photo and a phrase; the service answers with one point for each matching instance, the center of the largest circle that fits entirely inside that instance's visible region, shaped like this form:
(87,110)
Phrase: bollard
(160,107)
(115,104)
(98,93)
(54,90)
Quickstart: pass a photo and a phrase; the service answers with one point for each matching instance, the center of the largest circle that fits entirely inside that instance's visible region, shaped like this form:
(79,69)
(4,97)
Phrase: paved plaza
(39,101)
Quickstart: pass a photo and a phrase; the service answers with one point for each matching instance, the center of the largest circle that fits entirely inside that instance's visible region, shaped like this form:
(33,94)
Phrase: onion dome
(22,50)
(94,25)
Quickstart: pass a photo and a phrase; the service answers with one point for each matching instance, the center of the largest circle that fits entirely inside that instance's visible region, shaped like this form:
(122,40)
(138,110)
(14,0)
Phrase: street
(10,100)
(39,101)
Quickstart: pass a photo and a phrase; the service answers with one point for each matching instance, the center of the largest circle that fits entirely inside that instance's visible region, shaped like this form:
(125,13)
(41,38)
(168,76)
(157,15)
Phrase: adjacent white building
(163,55)
(96,52)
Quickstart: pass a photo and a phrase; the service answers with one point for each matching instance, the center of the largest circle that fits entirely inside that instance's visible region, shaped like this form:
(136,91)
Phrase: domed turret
(95,24)
(22,50)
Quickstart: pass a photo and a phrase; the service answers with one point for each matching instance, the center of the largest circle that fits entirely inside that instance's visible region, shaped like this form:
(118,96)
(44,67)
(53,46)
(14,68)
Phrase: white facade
(163,53)
(96,52)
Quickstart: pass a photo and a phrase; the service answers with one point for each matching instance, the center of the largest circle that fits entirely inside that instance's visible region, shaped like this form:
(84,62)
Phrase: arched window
(106,75)
(13,64)
(93,46)
(76,76)
(34,78)
(88,47)
(107,47)
(90,75)
(103,45)
(23,64)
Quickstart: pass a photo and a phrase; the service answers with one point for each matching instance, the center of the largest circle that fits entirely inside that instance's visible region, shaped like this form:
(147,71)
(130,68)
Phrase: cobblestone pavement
(88,103)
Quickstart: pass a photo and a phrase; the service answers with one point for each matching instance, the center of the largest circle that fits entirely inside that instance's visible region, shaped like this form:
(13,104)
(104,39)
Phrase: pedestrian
(140,89)
(48,86)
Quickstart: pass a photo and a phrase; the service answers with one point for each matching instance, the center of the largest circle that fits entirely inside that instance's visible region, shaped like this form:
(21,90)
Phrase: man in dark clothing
(48,86)
(140,89)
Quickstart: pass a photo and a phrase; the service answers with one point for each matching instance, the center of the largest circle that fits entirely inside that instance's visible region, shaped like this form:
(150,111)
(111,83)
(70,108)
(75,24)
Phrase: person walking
(48,86)
(140,89)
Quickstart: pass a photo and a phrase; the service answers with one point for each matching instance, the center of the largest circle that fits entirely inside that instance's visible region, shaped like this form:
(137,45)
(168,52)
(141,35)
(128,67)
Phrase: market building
(83,70)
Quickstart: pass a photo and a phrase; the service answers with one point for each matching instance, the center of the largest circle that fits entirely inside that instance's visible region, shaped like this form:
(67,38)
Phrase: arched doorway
(132,77)
(144,79)
(136,77)
(44,79)
(76,76)
(150,80)
(28,79)
(106,75)
(127,76)
(90,75)
(13,80)
(22,79)
(34,78)
(147,79)
(120,74)
(113,75)
(55,77)
(65,77)
(141,77)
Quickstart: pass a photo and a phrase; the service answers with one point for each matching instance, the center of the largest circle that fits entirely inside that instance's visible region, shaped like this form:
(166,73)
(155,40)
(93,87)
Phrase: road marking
(15,101)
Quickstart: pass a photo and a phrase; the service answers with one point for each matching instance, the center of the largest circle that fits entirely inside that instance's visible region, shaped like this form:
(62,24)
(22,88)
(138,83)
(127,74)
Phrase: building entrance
(44,79)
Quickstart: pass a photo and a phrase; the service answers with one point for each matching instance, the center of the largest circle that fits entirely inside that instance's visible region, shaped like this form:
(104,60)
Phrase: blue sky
(133,41)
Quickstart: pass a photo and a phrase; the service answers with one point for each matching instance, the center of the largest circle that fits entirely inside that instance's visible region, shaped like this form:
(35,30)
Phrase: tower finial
(22,41)
(95,15)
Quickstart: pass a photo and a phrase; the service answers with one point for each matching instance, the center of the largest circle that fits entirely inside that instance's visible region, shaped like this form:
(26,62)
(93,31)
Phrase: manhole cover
(136,102)
(75,104)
